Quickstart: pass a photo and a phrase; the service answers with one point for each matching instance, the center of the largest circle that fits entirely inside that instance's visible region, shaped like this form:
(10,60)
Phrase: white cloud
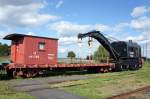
(62,50)
(139,11)
(15,2)
(67,40)
(68,29)
(101,27)
(137,38)
(3,34)
(31,33)
(59,4)
(141,39)
(23,13)
(142,23)
(120,27)
(143,27)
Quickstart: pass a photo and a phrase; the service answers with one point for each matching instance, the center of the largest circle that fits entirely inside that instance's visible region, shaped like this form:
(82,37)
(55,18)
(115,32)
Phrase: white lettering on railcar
(34,56)
(51,56)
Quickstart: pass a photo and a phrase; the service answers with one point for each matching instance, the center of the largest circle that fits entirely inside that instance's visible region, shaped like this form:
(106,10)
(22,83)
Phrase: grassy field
(108,84)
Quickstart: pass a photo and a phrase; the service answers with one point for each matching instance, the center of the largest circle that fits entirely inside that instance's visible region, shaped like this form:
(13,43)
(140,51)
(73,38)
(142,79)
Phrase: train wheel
(35,73)
(132,67)
(110,69)
(137,67)
(31,73)
(27,74)
(10,73)
(140,65)
(119,68)
(98,70)
(105,70)
(14,74)
(125,67)
(102,70)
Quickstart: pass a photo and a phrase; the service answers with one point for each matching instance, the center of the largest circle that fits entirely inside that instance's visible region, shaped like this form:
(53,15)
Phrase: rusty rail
(125,95)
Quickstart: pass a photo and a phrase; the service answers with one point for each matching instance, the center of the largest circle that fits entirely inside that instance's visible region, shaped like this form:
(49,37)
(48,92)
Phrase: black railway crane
(125,55)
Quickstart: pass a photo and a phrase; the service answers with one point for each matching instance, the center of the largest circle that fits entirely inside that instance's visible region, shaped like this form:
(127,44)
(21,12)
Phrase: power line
(110,37)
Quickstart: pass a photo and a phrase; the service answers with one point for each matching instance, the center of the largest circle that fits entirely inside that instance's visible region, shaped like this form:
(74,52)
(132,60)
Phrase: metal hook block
(80,42)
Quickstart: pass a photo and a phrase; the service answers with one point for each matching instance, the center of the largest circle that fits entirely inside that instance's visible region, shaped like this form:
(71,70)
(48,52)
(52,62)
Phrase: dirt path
(39,87)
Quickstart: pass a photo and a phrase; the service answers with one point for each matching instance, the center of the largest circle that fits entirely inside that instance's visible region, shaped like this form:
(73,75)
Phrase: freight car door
(17,51)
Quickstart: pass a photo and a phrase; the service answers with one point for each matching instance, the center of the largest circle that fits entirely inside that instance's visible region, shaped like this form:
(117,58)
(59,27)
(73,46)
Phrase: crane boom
(103,41)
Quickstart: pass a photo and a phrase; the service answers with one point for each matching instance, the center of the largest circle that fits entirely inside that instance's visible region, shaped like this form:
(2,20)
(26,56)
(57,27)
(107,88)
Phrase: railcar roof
(16,36)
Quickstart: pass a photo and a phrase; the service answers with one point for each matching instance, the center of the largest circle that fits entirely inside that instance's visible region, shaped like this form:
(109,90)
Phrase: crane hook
(80,42)
(90,42)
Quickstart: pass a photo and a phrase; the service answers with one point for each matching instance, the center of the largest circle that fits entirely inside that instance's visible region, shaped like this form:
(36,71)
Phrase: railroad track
(127,94)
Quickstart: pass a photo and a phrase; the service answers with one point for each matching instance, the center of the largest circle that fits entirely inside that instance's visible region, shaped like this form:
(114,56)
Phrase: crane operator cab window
(41,46)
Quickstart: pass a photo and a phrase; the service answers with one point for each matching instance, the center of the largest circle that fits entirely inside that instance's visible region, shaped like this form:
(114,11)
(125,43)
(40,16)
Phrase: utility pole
(143,50)
(147,51)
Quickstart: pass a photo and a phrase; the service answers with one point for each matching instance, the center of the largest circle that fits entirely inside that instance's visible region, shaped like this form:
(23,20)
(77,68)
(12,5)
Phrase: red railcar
(30,54)
(26,49)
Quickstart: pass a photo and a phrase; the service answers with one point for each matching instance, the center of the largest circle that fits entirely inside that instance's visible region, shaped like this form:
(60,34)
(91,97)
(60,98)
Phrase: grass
(108,84)
(7,93)
(4,59)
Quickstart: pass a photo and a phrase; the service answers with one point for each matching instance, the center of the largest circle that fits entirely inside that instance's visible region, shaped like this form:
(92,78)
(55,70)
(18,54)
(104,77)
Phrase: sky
(64,19)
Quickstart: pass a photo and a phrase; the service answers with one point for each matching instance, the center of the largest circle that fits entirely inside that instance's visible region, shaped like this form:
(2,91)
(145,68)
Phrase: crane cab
(127,49)
(130,54)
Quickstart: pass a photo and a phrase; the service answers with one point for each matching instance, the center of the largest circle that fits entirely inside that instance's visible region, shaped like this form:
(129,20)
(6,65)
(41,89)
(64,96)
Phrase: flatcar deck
(13,65)
(31,70)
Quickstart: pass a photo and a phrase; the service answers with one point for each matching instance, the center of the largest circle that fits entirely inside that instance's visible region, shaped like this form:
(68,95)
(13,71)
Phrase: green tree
(71,54)
(100,54)
(4,50)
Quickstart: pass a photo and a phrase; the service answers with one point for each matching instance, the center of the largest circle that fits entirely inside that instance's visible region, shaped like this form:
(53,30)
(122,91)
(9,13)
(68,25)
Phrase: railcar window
(41,46)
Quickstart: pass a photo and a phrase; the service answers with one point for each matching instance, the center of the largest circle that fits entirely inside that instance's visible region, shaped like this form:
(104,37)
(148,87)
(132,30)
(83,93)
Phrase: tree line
(4,50)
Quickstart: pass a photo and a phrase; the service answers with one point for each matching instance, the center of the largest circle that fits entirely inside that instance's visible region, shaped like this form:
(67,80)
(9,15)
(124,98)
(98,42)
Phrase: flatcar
(32,54)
